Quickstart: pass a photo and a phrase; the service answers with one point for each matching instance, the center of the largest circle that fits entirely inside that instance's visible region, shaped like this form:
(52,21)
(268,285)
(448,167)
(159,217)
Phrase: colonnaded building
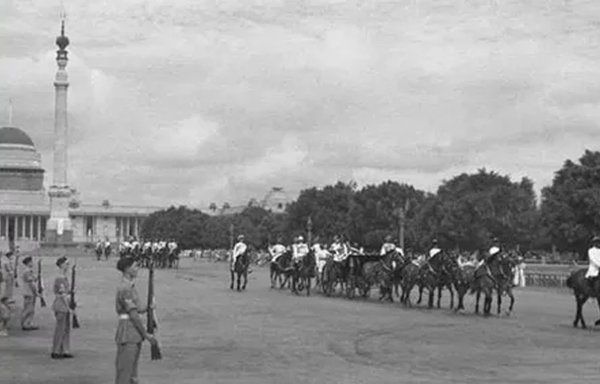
(25,204)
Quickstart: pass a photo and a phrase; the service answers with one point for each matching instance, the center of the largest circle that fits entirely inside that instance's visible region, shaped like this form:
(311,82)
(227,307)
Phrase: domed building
(25,206)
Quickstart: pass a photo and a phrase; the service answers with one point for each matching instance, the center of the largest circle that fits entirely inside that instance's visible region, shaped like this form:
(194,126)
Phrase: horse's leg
(499,300)
(512,301)
(477,301)
(239,280)
(232,280)
(439,298)
(308,286)
(245,280)
(578,316)
(449,286)
(431,294)
(420,293)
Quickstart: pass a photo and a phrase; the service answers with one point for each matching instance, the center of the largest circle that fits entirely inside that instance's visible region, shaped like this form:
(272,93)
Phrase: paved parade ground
(210,334)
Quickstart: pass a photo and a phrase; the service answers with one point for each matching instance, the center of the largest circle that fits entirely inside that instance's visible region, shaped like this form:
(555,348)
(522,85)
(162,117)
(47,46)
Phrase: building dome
(20,164)
(14,136)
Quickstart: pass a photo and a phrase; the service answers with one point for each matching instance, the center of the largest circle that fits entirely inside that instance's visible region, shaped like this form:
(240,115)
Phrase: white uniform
(299,251)
(276,251)
(594,267)
(434,251)
(340,251)
(238,250)
(321,255)
(494,250)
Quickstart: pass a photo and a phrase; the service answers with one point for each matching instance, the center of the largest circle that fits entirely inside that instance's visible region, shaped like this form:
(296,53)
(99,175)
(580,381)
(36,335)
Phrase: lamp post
(231,229)
(309,228)
(400,214)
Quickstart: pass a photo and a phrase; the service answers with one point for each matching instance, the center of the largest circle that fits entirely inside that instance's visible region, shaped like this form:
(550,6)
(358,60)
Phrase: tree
(212,207)
(470,209)
(570,206)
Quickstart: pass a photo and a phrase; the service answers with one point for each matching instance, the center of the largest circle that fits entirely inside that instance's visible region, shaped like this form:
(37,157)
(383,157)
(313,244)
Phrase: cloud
(195,101)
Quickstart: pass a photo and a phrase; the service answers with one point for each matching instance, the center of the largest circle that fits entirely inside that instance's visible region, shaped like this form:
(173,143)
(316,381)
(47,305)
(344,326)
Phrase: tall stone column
(59,230)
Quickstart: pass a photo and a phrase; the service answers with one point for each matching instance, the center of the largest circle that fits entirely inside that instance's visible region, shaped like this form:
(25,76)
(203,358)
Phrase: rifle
(151,323)
(16,271)
(40,284)
(72,303)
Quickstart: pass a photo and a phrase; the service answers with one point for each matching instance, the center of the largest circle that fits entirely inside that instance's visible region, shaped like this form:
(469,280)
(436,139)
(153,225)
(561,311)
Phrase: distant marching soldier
(29,295)
(61,343)
(130,329)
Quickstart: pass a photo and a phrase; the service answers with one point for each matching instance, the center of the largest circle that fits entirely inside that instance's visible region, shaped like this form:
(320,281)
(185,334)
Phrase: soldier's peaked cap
(60,261)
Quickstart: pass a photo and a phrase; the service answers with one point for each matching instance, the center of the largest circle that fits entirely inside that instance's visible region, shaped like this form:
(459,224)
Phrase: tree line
(465,213)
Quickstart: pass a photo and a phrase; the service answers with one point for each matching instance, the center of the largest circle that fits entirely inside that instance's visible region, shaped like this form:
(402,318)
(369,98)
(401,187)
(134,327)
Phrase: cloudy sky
(195,101)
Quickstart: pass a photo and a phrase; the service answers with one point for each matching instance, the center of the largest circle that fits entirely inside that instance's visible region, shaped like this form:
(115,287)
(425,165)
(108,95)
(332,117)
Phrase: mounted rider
(594,266)
(277,250)
(299,250)
(321,256)
(389,246)
(339,249)
(238,249)
(434,250)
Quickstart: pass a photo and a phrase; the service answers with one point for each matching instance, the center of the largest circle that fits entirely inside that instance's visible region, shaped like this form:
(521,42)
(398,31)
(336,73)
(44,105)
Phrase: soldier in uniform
(238,249)
(435,250)
(29,295)
(299,250)
(8,272)
(61,343)
(277,250)
(130,329)
(4,308)
(389,246)
(594,266)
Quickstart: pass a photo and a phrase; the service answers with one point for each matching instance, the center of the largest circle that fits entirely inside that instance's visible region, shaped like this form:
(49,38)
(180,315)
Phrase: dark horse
(304,271)
(438,274)
(280,270)
(240,268)
(583,290)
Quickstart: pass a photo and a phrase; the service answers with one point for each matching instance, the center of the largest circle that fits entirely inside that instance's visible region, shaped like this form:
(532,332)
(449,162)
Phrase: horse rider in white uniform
(238,249)
(594,266)
(389,246)
(299,250)
(339,249)
(277,250)
(321,256)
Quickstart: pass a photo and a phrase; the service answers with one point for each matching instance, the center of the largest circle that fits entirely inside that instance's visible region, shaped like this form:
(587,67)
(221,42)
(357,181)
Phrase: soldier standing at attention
(8,272)
(61,344)
(29,295)
(130,330)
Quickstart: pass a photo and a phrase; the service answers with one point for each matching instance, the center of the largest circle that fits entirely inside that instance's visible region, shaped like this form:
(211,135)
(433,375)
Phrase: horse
(303,272)
(378,270)
(280,269)
(436,273)
(583,289)
(240,269)
(409,278)
(485,282)
(99,251)
(504,279)
(107,249)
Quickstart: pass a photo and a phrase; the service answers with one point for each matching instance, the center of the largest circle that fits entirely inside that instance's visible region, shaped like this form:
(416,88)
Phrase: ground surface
(210,334)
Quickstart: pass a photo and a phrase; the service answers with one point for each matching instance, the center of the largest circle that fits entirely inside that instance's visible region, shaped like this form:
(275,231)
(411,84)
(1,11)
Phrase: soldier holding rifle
(130,330)
(61,344)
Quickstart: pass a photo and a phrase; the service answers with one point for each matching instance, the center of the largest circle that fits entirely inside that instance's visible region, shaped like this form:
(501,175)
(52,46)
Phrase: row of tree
(465,213)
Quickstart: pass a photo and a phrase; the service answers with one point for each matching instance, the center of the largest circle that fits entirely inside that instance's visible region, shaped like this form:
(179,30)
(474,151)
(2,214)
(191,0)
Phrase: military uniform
(129,337)
(61,343)
(238,250)
(29,298)
(8,273)
(276,251)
